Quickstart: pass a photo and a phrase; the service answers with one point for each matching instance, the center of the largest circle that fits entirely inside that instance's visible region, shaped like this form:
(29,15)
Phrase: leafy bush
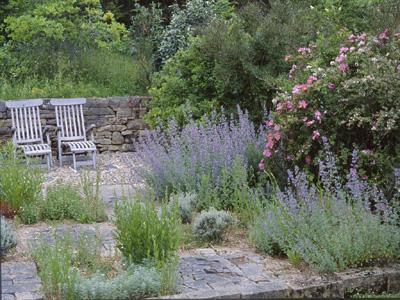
(19,183)
(7,237)
(186,204)
(143,232)
(176,159)
(353,101)
(333,227)
(210,224)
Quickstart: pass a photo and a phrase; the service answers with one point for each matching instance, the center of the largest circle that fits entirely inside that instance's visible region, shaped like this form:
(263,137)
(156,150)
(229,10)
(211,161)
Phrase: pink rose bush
(354,101)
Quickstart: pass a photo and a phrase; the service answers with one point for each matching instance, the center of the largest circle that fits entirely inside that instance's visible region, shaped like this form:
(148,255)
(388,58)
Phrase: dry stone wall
(119,121)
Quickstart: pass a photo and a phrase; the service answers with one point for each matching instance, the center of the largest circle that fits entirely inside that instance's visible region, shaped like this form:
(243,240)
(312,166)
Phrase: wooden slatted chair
(71,132)
(27,130)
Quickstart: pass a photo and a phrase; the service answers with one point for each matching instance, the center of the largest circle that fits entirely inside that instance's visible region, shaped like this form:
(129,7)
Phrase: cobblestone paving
(19,281)
(209,269)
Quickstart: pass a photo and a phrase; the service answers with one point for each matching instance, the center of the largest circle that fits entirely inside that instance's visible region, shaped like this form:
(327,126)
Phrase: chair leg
(74,160)
(94,159)
(60,156)
(49,161)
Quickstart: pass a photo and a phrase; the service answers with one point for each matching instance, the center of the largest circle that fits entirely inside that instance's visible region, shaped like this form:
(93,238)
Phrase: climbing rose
(344,50)
(311,79)
(267,153)
(289,105)
(352,38)
(343,67)
(309,123)
(383,35)
(302,103)
(317,116)
(331,86)
(315,135)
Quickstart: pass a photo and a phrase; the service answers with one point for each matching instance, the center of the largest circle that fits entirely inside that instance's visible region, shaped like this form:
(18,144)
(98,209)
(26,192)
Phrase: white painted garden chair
(27,130)
(71,132)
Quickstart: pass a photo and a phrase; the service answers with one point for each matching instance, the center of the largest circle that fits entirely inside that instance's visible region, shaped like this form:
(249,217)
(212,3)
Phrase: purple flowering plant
(180,158)
(330,226)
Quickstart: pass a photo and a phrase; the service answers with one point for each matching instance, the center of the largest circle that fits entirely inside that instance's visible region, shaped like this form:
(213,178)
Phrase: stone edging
(338,285)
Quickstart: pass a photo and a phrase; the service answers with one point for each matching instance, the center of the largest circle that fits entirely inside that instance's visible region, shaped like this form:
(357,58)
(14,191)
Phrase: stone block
(126,132)
(136,124)
(3,107)
(95,111)
(111,128)
(103,134)
(102,141)
(128,147)
(97,102)
(114,148)
(117,138)
(123,112)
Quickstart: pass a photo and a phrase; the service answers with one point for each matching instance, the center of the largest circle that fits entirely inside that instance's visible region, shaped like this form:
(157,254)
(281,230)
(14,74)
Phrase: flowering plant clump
(355,101)
(332,226)
(179,159)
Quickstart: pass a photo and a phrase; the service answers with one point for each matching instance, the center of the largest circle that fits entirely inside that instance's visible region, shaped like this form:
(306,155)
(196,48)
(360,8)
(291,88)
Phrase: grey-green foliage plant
(144,231)
(135,283)
(210,224)
(186,205)
(7,238)
(19,183)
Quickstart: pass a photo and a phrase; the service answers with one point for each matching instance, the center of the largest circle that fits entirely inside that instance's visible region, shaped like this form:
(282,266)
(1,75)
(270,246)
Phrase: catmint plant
(178,159)
(330,226)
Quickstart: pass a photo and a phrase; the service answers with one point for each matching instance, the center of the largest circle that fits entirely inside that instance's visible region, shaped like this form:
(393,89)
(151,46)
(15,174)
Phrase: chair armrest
(47,128)
(90,128)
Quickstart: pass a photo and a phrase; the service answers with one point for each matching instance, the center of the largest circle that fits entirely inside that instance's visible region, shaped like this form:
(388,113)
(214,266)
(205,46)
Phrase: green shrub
(7,237)
(210,224)
(65,202)
(146,232)
(29,213)
(19,183)
(186,204)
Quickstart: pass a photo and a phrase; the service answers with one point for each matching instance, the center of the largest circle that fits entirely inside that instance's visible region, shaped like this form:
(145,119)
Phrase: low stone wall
(119,121)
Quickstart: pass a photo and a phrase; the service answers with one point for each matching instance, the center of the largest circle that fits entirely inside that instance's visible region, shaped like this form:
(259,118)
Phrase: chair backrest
(25,118)
(69,118)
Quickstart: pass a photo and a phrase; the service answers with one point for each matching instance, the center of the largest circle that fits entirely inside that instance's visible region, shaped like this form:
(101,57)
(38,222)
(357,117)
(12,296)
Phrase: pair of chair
(28,133)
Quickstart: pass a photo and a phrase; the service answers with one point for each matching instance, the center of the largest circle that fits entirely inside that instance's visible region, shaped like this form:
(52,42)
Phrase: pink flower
(302,103)
(261,165)
(279,107)
(289,157)
(344,50)
(362,37)
(365,177)
(289,105)
(267,153)
(308,159)
(352,38)
(343,67)
(315,135)
(331,86)
(299,88)
(311,79)
(317,115)
(309,123)
(270,141)
(303,50)
(270,123)
(398,68)
(340,58)
(277,135)
(397,35)
(292,71)
(277,127)
(383,35)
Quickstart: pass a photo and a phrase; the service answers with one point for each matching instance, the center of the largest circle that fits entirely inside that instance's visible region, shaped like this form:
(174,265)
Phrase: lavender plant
(330,226)
(176,159)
